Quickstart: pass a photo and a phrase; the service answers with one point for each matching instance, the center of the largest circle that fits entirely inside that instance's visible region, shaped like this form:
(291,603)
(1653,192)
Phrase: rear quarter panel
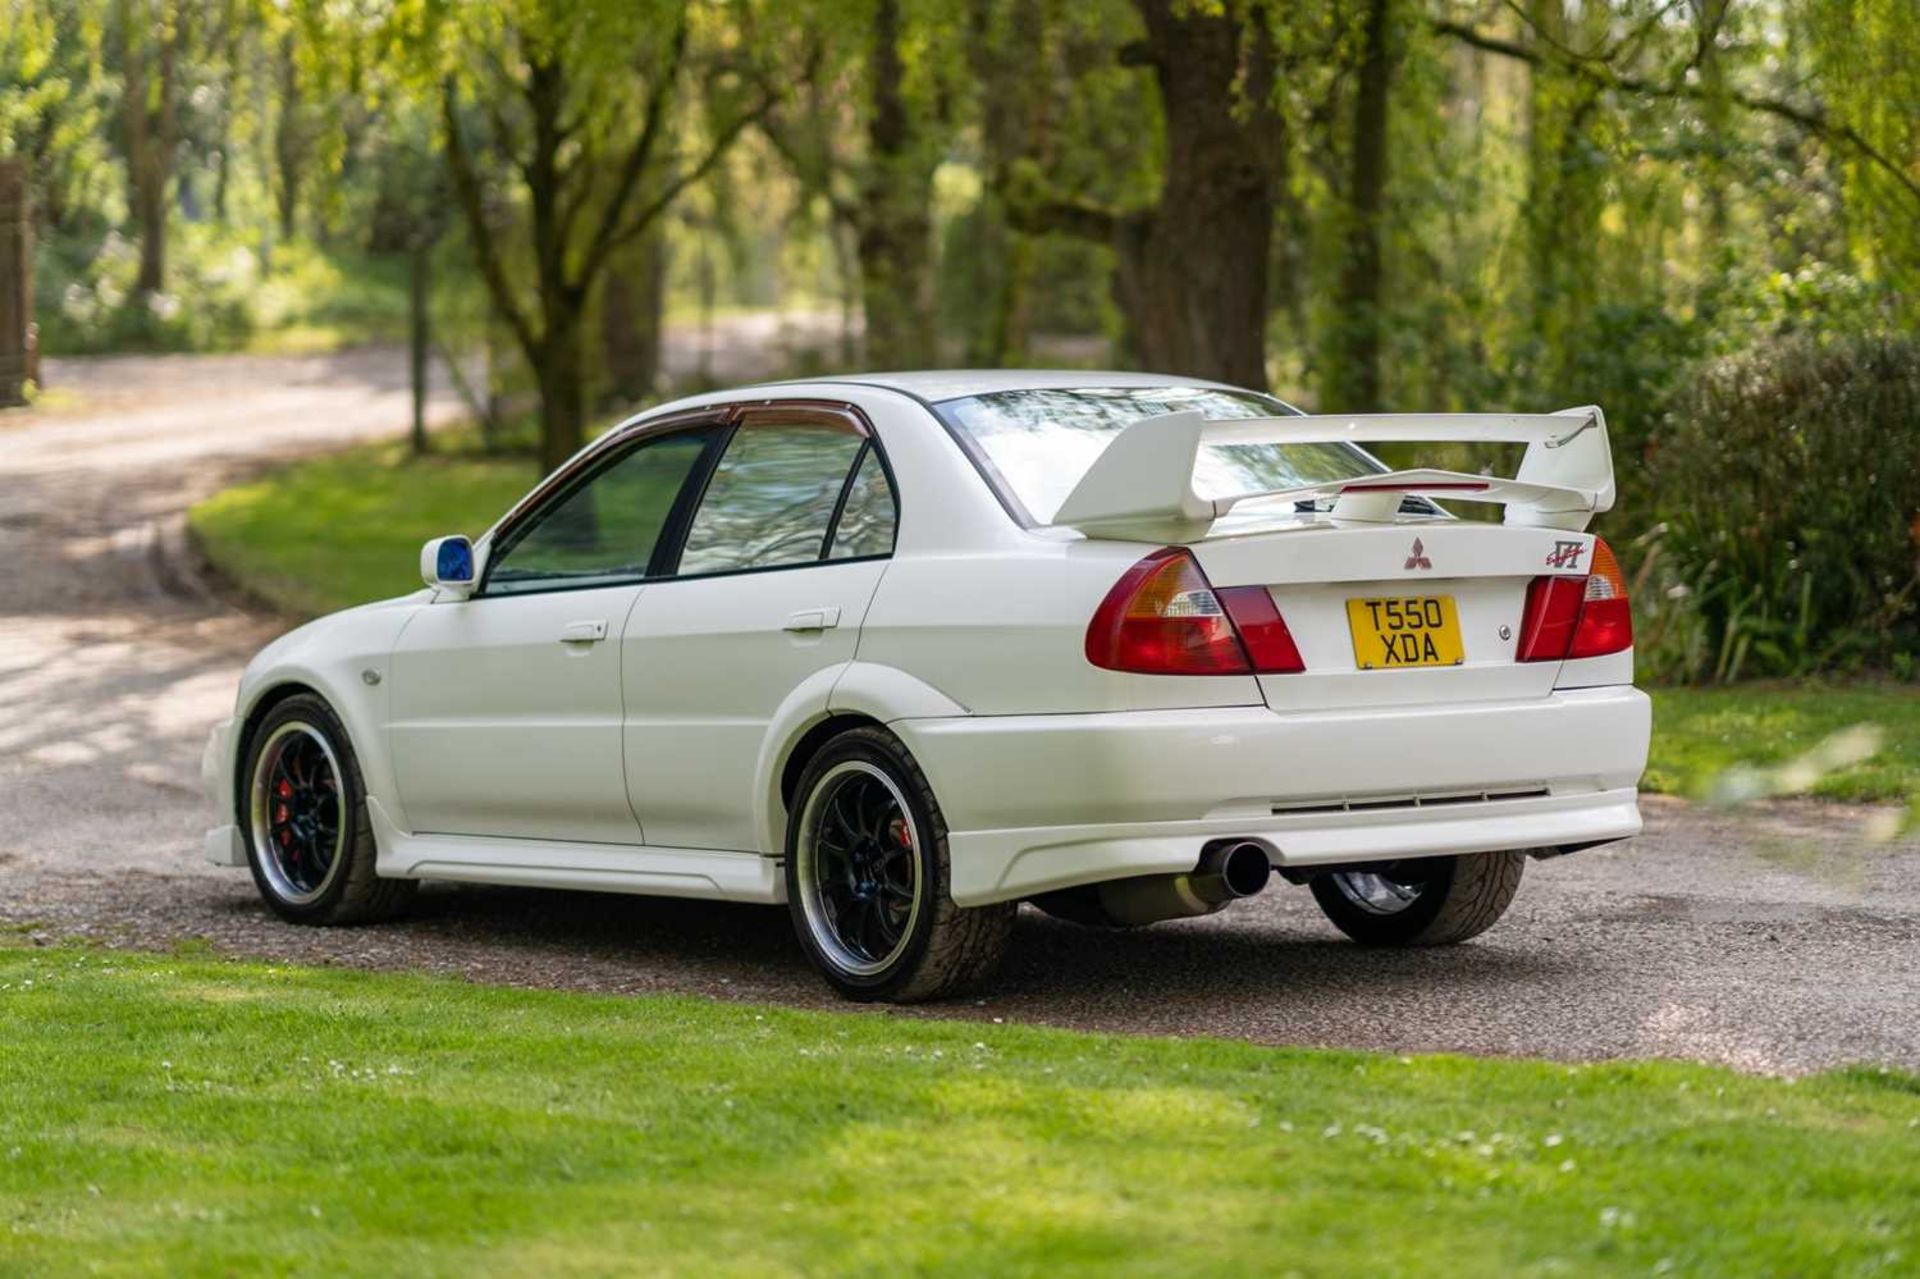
(992,615)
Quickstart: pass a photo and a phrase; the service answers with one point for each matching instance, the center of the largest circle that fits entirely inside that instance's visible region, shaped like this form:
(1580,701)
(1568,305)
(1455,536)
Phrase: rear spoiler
(1141,487)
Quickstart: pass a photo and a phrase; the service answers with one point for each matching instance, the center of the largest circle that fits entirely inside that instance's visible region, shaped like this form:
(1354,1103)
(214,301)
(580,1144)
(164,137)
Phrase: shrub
(219,296)
(1788,486)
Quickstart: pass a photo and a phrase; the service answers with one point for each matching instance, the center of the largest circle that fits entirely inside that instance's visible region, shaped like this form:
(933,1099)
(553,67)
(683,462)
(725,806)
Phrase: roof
(935,385)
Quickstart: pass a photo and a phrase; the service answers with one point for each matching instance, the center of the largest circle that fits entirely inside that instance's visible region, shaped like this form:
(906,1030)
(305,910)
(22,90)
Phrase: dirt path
(1784,943)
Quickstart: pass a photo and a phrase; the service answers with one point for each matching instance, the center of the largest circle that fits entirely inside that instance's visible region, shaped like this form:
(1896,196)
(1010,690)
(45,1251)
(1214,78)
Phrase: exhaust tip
(1242,865)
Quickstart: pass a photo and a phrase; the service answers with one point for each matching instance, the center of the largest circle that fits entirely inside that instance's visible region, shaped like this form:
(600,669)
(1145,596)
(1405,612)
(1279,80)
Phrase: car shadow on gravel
(1182,960)
(1171,976)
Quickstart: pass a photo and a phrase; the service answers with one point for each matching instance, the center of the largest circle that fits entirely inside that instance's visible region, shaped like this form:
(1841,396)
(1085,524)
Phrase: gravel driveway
(1777,942)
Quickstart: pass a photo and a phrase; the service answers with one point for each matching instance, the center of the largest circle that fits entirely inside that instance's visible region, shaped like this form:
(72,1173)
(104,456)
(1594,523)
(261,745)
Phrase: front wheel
(1426,901)
(303,807)
(868,875)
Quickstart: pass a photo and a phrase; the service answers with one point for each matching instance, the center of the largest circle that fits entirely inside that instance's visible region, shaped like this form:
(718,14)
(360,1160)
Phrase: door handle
(814,619)
(583,633)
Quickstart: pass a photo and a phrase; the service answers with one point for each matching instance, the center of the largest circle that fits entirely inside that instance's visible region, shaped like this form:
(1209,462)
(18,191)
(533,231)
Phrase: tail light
(1164,618)
(1568,617)
(1269,642)
(1606,620)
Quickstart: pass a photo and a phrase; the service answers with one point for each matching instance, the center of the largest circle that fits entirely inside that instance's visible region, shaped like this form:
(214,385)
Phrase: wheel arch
(810,744)
(261,707)
(261,698)
(858,694)
(802,742)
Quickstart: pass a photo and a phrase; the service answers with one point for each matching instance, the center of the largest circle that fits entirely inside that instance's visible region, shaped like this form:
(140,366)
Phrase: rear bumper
(1039,802)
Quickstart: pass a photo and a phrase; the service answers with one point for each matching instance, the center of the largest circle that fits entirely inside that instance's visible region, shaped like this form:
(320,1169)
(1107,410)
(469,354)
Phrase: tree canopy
(1360,203)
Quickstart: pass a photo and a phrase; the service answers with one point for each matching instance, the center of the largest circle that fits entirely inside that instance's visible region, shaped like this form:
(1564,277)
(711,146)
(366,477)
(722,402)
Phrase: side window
(604,531)
(771,498)
(867,519)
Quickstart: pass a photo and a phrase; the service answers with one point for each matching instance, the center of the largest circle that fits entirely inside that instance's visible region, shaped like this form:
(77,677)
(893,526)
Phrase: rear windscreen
(1035,445)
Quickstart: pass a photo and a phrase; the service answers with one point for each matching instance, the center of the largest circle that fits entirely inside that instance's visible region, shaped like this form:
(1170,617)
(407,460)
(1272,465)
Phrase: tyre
(1427,901)
(303,809)
(868,875)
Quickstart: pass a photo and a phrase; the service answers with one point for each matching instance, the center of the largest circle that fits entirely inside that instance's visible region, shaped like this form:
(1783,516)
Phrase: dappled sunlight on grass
(1851,742)
(350,1123)
(1831,756)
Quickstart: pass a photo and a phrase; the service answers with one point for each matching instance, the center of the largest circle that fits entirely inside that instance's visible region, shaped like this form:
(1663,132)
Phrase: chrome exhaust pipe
(1228,870)
(1236,868)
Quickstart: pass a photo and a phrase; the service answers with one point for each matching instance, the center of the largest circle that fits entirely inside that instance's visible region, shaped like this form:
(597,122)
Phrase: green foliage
(1866,55)
(1581,202)
(223,1118)
(54,98)
(218,298)
(1788,483)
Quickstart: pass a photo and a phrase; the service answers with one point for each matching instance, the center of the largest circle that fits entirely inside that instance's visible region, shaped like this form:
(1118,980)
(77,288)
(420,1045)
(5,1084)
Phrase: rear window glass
(1037,444)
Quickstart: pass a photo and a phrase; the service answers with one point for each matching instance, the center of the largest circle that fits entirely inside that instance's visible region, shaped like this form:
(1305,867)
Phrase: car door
(780,560)
(506,706)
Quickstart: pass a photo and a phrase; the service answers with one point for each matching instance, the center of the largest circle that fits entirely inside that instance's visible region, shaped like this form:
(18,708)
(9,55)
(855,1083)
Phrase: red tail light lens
(1606,620)
(1163,618)
(1568,617)
(1553,612)
(1269,642)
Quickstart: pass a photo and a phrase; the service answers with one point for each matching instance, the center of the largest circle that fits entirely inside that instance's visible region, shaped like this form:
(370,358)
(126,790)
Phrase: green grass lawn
(344,529)
(347,528)
(187,1116)
(1698,733)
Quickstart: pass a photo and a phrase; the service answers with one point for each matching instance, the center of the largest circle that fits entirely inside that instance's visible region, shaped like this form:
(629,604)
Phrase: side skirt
(707,873)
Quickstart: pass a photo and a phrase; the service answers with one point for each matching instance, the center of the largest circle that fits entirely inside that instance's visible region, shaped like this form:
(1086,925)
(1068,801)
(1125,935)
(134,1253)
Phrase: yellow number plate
(1414,630)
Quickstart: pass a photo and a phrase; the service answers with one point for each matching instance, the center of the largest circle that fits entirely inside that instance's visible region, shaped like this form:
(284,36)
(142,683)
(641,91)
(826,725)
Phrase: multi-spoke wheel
(867,877)
(859,874)
(299,811)
(302,806)
(1427,901)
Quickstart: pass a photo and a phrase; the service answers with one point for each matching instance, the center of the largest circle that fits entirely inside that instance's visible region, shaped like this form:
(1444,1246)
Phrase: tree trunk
(289,144)
(895,242)
(840,234)
(1008,60)
(1353,368)
(1006,338)
(228,54)
(16,284)
(561,374)
(147,104)
(1565,196)
(419,335)
(1192,273)
(1716,112)
(632,317)
(150,208)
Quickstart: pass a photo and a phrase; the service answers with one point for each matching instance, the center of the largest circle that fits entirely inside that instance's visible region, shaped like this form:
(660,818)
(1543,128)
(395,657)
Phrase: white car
(904,651)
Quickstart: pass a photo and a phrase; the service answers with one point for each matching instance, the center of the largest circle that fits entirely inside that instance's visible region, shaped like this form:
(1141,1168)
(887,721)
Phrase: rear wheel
(868,875)
(303,808)
(1427,901)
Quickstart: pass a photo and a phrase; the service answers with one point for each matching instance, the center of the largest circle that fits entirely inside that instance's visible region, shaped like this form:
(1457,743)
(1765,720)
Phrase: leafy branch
(1602,74)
